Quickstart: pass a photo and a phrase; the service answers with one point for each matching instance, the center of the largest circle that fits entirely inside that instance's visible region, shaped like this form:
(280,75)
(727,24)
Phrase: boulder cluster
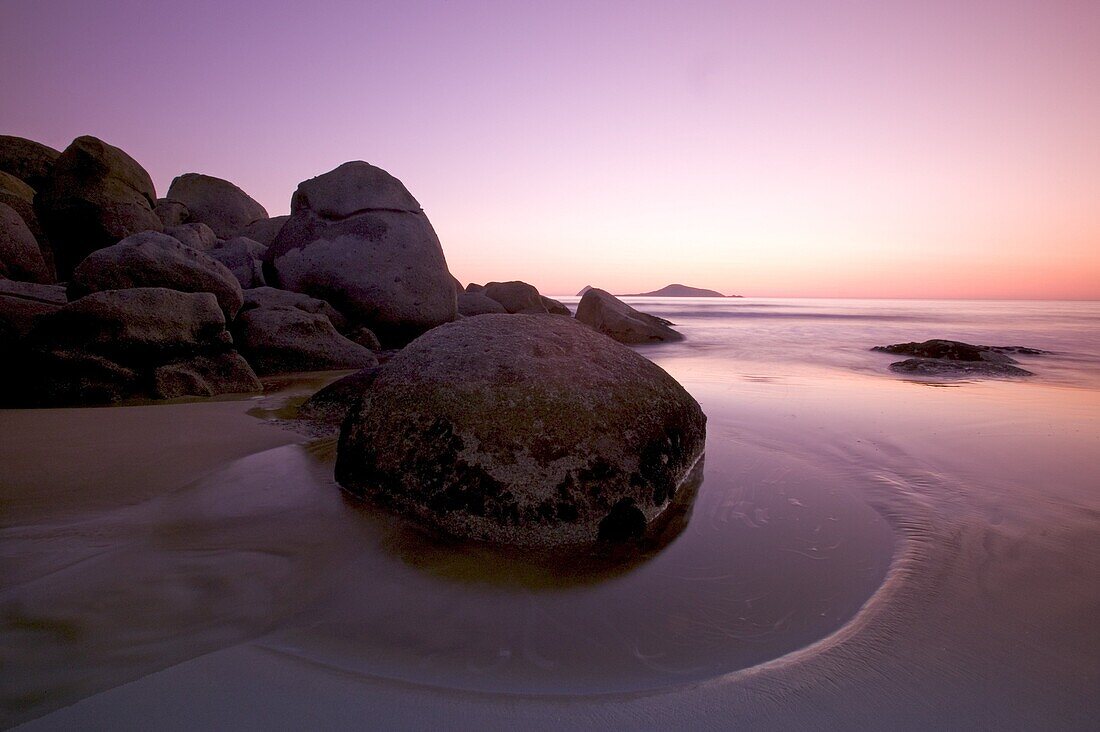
(501,418)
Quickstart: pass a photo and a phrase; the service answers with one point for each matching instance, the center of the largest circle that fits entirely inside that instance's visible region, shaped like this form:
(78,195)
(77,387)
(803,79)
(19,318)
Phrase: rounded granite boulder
(219,204)
(522,430)
(358,239)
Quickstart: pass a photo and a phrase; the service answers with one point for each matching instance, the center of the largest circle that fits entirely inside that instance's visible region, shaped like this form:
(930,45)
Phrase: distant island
(671,291)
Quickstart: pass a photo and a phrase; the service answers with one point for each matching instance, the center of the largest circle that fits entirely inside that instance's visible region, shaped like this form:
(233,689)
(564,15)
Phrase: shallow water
(862,547)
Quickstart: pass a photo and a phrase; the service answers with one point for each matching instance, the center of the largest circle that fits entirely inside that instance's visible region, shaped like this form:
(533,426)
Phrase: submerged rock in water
(614,318)
(521,429)
(945,367)
(329,406)
(940,357)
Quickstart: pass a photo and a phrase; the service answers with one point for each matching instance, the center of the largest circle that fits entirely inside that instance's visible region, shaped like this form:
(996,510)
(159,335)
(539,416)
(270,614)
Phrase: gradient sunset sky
(855,149)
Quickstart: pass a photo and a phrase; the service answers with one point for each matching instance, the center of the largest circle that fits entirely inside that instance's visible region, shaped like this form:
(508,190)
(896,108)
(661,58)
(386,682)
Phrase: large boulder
(95,196)
(265,230)
(27,160)
(244,258)
(476,303)
(137,343)
(327,408)
(284,339)
(555,307)
(22,305)
(20,196)
(150,259)
(270,297)
(171,213)
(521,429)
(219,204)
(358,239)
(516,297)
(195,235)
(611,316)
(20,256)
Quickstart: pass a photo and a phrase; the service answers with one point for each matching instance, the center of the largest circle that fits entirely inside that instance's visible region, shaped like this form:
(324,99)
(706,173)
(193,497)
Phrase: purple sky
(769,148)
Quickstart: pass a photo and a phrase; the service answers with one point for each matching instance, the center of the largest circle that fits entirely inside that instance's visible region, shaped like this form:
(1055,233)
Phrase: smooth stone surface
(20,256)
(516,297)
(219,204)
(555,307)
(135,343)
(270,297)
(243,257)
(195,235)
(265,230)
(95,196)
(521,429)
(607,314)
(284,339)
(27,160)
(952,368)
(329,406)
(150,259)
(359,240)
(171,213)
(476,303)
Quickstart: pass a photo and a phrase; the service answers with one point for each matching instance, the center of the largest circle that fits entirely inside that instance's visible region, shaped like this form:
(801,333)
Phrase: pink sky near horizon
(848,149)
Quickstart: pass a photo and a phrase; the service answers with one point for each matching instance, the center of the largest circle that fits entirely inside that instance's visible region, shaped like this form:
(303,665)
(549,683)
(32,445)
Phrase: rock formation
(613,317)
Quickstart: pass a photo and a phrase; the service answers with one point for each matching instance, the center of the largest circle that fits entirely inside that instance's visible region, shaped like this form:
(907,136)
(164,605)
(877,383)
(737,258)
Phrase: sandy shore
(164,577)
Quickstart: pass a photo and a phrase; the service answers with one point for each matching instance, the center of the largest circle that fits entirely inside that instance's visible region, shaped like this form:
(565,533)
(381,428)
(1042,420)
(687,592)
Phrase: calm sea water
(832,337)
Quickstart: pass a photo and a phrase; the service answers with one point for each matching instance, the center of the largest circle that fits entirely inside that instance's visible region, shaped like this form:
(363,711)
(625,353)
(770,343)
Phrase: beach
(863,551)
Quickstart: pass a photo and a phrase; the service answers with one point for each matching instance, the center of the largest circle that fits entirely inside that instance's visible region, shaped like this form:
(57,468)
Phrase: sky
(821,149)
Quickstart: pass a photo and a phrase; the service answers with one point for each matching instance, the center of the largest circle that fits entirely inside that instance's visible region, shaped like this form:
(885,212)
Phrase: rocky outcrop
(940,357)
(244,258)
(604,312)
(358,239)
(520,429)
(270,297)
(328,407)
(476,303)
(95,196)
(284,339)
(516,297)
(20,256)
(22,305)
(195,235)
(137,343)
(219,204)
(29,161)
(555,307)
(265,230)
(150,259)
(171,213)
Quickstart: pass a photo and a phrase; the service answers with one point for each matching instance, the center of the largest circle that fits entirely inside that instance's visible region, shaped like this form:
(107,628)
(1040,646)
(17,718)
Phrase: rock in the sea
(948,367)
(613,317)
(521,429)
(20,256)
(195,235)
(555,307)
(270,297)
(219,204)
(940,357)
(359,240)
(244,258)
(95,196)
(329,406)
(283,339)
(151,259)
(29,161)
(516,297)
(171,213)
(137,343)
(265,230)
(476,303)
